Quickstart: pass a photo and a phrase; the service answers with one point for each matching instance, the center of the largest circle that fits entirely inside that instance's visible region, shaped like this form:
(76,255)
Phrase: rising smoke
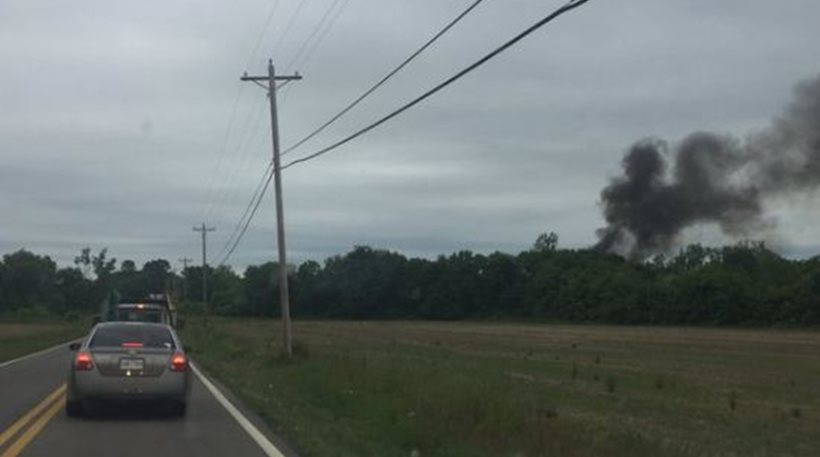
(715,179)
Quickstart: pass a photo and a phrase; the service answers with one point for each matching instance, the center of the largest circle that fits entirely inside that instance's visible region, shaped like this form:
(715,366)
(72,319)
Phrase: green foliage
(744,284)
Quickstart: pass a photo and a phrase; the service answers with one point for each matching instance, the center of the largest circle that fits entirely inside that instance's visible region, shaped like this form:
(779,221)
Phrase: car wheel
(73,408)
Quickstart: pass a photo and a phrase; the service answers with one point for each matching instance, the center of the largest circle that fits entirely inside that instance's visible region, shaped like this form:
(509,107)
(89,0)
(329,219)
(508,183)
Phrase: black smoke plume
(714,178)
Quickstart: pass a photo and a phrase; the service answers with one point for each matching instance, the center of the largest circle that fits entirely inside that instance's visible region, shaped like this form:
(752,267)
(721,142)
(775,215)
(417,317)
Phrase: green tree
(28,281)
(546,242)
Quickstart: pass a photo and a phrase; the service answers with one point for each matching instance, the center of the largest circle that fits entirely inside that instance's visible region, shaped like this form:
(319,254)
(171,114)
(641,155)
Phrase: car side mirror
(74,346)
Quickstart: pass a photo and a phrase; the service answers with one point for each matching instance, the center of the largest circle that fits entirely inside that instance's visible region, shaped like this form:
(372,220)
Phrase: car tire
(73,408)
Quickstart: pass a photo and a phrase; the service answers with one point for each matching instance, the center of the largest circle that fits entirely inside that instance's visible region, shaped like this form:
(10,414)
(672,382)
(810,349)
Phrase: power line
(247,211)
(243,224)
(262,33)
(274,172)
(210,196)
(323,34)
(385,78)
(221,154)
(558,12)
(312,34)
(255,206)
(315,45)
(246,134)
(291,21)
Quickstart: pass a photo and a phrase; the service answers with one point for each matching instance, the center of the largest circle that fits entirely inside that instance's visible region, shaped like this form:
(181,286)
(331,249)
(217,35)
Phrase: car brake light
(132,345)
(83,361)
(179,362)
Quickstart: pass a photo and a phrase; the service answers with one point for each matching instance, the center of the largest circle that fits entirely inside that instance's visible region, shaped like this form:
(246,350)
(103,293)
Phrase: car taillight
(179,362)
(83,361)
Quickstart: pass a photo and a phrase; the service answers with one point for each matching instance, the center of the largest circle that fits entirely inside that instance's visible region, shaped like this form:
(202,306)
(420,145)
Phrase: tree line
(743,284)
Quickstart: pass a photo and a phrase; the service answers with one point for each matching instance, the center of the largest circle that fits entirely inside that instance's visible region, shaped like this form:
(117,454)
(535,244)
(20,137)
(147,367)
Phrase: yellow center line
(35,428)
(20,423)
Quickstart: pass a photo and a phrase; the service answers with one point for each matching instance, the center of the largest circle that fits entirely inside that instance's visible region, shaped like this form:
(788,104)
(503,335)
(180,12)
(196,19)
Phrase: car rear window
(148,336)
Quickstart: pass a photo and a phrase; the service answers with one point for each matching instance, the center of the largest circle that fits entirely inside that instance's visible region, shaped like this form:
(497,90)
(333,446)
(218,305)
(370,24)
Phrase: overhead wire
(316,43)
(384,79)
(254,206)
(323,34)
(209,193)
(373,88)
(256,197)
(212,193)
(242,153)
(573,4)
(261,36)
(288,26)
(318,27)
(242,219)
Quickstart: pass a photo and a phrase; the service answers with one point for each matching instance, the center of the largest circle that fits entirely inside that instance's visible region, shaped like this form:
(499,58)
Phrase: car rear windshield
(135,336)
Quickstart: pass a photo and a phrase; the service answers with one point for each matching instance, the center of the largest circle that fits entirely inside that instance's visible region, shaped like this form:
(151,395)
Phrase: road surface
(33,420)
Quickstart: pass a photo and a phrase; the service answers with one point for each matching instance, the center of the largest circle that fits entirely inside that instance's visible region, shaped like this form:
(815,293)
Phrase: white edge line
(35,354)
(257,436)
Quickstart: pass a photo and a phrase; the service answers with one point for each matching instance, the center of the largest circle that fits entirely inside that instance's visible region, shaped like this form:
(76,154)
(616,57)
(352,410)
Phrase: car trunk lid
(131,361)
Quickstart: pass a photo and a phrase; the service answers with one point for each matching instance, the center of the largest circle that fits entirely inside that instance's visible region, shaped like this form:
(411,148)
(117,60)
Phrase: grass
(481,389)
(18,338)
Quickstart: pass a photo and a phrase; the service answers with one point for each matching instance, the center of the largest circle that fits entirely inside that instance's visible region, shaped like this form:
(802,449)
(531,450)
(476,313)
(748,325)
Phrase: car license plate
(132,364)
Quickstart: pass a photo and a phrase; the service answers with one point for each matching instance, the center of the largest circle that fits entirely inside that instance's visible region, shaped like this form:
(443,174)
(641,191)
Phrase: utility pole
(185,261)
(284,298)
(205,231)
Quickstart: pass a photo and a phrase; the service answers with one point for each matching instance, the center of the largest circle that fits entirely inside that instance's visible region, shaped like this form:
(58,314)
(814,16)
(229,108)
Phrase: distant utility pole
(185,261)
(205,231)
(284,299)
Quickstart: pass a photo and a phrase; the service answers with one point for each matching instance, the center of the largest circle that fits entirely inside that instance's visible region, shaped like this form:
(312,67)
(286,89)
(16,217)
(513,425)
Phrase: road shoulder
(279,446)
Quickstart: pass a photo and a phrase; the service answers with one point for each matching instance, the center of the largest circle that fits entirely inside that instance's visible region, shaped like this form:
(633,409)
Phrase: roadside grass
(520,390)
(18,338)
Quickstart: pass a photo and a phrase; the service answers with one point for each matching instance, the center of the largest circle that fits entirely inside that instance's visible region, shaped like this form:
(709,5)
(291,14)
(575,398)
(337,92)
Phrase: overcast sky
(115,116)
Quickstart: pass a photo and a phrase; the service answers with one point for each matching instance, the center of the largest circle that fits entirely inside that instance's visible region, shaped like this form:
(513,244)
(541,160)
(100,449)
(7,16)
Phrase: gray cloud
(517,148)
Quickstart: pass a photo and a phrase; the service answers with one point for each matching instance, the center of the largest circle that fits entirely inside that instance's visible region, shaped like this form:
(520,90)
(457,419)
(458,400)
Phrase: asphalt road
(33,420)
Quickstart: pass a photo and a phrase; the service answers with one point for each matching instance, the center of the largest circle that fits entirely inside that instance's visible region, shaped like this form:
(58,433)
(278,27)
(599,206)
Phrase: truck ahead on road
(154,308)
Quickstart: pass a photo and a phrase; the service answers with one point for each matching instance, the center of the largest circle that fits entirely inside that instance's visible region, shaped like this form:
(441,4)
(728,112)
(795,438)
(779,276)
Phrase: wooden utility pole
(284,298)
(205,231)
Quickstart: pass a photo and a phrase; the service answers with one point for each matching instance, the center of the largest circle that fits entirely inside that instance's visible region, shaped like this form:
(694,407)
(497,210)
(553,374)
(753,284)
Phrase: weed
(574,371)
(660,382)
(611,383)
(300,348)
(732,400)
(797,413)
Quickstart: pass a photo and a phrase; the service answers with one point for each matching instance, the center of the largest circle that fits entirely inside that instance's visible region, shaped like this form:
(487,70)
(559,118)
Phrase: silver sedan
(129,361)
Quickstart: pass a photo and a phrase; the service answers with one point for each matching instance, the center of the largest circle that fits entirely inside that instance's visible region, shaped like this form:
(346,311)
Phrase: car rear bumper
(91,385)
